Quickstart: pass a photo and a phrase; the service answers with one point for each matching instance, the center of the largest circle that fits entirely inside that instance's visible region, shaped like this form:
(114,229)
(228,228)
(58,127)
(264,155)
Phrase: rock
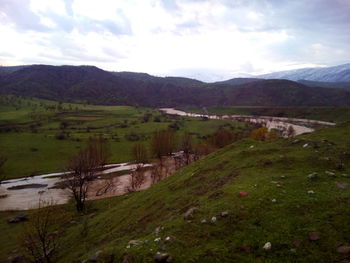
(18,218)
(313,236)
(310,192)
(213,219)
(190,212)
(283,176)
(157,239)
(342,185)
(242,194)
(312,176)
(331,174)
(134,243)
(305,145)
(162,257)
(158,230)
(267,246)
(343,249)
(251,146)
(167,238)
(95,256)
(273,200)
(224,214)
(203,221)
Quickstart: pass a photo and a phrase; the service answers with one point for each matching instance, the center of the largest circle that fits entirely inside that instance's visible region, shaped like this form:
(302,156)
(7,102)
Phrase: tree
(290,131)
(3,160)
(140,156)
(40,239)
(139,153)
(83,169)
(187,146)
(163,143)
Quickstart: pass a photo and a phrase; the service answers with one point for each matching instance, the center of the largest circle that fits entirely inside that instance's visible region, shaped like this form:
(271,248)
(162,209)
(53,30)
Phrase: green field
(331,114)
(39,136)
(278,209)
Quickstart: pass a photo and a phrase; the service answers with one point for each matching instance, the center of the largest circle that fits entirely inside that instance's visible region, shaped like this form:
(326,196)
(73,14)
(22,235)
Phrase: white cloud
(206,38)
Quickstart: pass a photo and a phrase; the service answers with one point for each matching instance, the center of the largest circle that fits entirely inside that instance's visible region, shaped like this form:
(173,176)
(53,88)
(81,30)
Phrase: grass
(267,171)
(29,130)
(332,114)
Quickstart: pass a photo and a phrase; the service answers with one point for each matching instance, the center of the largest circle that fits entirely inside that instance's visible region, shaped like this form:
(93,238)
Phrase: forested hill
(93,85)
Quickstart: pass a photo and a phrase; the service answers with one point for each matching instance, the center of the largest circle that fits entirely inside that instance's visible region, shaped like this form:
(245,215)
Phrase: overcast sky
(204,39)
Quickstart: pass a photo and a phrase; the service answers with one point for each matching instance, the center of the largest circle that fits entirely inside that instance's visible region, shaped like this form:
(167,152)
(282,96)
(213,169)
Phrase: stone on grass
(224,214)
(273,200)
(343,249)
(312,176)
(162,257)
(310,192)
(341,185)
(305,145)
(213,219)
(190,212)
(267,246)
(134,243)
(331,174)
(313,236)
(203,221)
(157,239)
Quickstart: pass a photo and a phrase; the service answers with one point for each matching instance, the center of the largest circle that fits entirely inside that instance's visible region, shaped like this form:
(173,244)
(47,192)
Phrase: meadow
(40,136)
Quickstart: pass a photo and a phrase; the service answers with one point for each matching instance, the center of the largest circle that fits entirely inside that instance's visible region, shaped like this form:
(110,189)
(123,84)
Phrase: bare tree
(83,169)
(187,146)
(163,143)
(140,156)
(40,239)
(3,160)
(290,131)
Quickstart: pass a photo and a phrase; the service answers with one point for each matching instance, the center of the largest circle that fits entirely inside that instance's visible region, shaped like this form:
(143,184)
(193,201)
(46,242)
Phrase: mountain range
(93,85)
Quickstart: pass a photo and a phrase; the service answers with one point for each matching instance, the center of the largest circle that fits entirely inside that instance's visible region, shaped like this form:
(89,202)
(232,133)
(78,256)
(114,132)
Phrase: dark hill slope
(96,86)
(284,93)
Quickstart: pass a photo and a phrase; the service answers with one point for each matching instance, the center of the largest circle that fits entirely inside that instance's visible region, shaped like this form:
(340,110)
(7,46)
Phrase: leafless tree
(40,239)
(83,169)
(187,146)
(140,156)
(163,143)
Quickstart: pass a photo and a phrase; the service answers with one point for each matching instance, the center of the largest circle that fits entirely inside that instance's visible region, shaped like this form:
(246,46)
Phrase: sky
(209,40)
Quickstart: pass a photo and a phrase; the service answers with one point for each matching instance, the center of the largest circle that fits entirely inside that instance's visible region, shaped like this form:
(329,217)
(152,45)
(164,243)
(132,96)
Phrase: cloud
(205,38)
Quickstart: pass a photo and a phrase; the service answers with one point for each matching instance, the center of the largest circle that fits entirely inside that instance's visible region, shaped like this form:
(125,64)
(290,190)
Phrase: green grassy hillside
(282,207)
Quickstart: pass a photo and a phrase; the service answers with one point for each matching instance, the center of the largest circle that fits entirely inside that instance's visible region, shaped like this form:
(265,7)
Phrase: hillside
(95,86)
(306,220)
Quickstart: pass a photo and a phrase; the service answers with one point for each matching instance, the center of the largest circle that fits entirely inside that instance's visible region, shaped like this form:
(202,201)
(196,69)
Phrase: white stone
(267,246)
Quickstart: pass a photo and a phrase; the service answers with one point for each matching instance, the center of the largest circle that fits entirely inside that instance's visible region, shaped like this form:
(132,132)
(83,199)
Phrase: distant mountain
(236,81)
(164,80)
(339,73)
(93,85)
(337,85)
